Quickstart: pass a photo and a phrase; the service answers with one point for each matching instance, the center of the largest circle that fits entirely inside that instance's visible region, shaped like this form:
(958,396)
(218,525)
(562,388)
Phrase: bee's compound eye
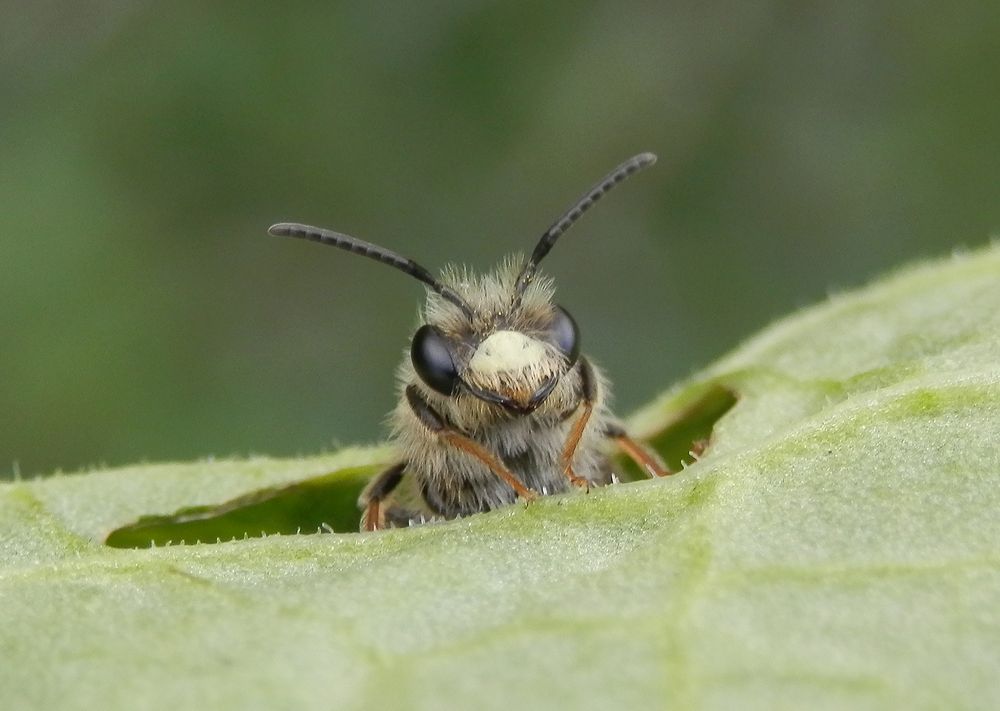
(565,334)
(432,360)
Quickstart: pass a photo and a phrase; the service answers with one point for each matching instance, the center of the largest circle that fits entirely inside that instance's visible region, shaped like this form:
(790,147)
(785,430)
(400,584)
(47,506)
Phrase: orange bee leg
(374,495)
(646,459)
(436,424)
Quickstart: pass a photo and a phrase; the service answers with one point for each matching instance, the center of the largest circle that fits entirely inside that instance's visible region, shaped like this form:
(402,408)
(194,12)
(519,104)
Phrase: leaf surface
(836,547)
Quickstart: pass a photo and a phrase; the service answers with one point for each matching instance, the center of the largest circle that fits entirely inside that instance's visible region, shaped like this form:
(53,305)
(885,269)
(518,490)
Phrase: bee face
(507,369)
(509,366)
(510,354)
(513,370)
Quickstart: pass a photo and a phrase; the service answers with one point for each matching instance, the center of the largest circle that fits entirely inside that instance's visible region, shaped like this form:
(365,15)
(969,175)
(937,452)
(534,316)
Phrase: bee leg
(373,497)
(589,386)
(649,462)
(436,424)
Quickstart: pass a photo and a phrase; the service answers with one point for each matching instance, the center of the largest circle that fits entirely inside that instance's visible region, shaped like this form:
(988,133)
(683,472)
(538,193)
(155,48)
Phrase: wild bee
(496,401)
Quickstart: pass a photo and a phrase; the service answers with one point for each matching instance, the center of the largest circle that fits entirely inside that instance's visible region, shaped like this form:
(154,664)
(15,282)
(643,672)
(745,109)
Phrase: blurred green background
(145,148)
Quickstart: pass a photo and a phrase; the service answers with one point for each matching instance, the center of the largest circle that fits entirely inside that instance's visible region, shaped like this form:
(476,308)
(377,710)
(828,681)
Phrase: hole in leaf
(689,430)
(308,506)
(329,502)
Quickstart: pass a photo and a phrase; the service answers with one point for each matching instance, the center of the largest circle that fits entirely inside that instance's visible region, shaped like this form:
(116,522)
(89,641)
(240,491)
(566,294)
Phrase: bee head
(499,337)
(511,353)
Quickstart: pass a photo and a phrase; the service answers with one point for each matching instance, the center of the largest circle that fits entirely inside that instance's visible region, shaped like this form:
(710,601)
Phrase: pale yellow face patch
(506,351)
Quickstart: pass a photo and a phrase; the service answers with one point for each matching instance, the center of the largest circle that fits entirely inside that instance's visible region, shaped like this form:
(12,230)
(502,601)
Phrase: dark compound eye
(432,360)
(565,334)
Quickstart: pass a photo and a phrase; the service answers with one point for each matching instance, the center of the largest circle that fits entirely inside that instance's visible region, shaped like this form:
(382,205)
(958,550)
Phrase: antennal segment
(630,167)
(372,251)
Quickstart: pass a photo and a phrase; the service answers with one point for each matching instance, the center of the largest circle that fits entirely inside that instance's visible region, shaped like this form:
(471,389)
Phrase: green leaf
(837,546)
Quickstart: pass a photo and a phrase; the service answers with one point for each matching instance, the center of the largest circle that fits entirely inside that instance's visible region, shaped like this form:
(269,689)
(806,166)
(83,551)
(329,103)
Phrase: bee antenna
(625,170)
(372,251)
